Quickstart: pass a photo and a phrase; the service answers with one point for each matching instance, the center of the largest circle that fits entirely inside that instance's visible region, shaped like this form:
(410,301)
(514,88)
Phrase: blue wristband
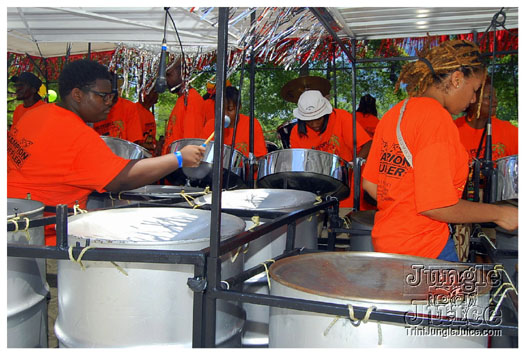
(179,158)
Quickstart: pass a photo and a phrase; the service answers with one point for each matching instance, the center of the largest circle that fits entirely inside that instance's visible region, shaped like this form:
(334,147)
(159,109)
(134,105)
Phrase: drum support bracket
(197,284)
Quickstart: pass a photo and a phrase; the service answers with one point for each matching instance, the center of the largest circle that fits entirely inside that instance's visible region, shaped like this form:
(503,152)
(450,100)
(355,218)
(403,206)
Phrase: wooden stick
(209,139)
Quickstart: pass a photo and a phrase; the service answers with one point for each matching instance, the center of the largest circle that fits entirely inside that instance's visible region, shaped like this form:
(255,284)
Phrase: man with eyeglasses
(123,120)
(56,157)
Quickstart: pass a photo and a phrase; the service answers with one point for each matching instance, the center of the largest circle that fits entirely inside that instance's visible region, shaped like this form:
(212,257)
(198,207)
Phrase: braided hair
(474,110)
(436,64)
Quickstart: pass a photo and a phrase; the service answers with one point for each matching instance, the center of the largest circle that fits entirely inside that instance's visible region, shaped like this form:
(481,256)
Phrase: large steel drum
(126,149)
(151,305)
(268,246)
(202,175)
(145,193)
(506,179)
(387,281)
(26,282)
(305,169)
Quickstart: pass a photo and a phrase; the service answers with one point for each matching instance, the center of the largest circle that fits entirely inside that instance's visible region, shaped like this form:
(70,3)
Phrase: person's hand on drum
(508,218)
(192,155)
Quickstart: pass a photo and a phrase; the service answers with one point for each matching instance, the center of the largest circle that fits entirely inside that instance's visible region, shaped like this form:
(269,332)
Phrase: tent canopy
(45,31)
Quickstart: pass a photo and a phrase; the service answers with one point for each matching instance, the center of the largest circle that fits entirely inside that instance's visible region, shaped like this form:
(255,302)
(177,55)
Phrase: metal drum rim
(281,151)
(26,213)
(378,255)
(146,153)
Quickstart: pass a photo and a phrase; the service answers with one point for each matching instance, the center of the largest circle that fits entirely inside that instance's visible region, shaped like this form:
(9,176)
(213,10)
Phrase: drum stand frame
(200,282)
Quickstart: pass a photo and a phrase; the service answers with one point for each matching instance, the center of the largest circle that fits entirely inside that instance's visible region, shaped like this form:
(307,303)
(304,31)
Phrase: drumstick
(209,139)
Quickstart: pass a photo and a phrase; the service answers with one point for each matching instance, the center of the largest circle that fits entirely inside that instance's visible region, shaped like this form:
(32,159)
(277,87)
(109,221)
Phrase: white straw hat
(311,106)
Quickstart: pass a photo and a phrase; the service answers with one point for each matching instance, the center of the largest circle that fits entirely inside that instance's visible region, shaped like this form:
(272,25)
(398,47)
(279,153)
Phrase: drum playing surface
(374,277)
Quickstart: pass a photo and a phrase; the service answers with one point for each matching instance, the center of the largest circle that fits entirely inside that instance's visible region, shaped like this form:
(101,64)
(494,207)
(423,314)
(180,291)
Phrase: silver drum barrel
(364,222)
(390,282)
(202,175)
(269,245)
(26,282)
(126,149)
(506,179)
(305,169)
(152,305)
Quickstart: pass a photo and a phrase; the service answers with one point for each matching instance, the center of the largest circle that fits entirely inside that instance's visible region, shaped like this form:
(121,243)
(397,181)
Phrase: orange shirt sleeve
(62,159)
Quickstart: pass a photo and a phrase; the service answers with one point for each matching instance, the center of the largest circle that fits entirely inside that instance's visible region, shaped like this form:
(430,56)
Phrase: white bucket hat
(311,106)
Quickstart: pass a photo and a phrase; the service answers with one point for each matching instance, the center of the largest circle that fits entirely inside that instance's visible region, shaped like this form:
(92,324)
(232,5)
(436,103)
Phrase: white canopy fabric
(45,31)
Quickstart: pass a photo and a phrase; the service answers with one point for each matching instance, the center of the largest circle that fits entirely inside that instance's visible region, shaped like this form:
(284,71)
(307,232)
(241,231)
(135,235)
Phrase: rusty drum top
(365,276)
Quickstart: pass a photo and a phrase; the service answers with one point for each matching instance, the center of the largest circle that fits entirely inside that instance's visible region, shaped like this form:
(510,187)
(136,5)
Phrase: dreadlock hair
(80,74)
(301,126)
(367,105)
(438,63)
(474,110)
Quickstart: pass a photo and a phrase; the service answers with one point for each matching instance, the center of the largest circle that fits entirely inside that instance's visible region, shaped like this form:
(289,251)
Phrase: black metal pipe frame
(213,268)
(379,315)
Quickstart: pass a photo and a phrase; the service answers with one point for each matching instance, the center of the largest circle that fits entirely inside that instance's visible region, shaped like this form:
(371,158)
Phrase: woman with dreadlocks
(417,166)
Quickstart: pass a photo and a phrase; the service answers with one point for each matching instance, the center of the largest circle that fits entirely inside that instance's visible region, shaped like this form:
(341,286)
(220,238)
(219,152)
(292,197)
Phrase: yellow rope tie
(234,257)
(501,268)
(15,221)
(267,273)
(111,197)
(318,200)
(226,283)
(482,234)
(327,330)
(346,222)
(120,198)
(26,229)
(186,197)
(499,304)
(351,313)
(246,247)
(309,219)
(379,334)
(79,259)
(256,221)
(77,209)
(206,191)
(119,268)
(511,287)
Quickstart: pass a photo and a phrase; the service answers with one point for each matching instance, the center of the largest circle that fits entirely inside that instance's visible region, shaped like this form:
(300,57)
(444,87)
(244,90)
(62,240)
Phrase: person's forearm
(371,188)
(473,212)
(143,172)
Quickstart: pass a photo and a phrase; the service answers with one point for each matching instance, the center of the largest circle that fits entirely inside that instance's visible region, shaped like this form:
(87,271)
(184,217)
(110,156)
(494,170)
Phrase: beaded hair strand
(438,63)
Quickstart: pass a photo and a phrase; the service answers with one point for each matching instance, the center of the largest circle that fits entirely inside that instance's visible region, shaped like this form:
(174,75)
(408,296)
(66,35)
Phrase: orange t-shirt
(336,139)
(209,110)
(55,156)
(368,122)
(242,138)
(504,138)
(123,122)
(21,109)
(186,121)
(437,179)
(148,124)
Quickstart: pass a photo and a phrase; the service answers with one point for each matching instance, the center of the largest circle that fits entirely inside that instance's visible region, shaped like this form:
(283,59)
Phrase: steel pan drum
(26,282)
(390,282)
(126,149)
(151,305)
(507,178)
(305,169)
(268,246)
(144,193)
(202,175)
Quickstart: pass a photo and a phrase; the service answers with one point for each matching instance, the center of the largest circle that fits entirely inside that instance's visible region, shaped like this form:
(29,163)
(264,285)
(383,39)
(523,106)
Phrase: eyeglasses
(106,96)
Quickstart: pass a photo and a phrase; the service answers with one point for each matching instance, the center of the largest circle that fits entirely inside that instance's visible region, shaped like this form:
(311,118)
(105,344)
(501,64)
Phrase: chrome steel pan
(126,149)
(507,179)
(202,175)
(305,169)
